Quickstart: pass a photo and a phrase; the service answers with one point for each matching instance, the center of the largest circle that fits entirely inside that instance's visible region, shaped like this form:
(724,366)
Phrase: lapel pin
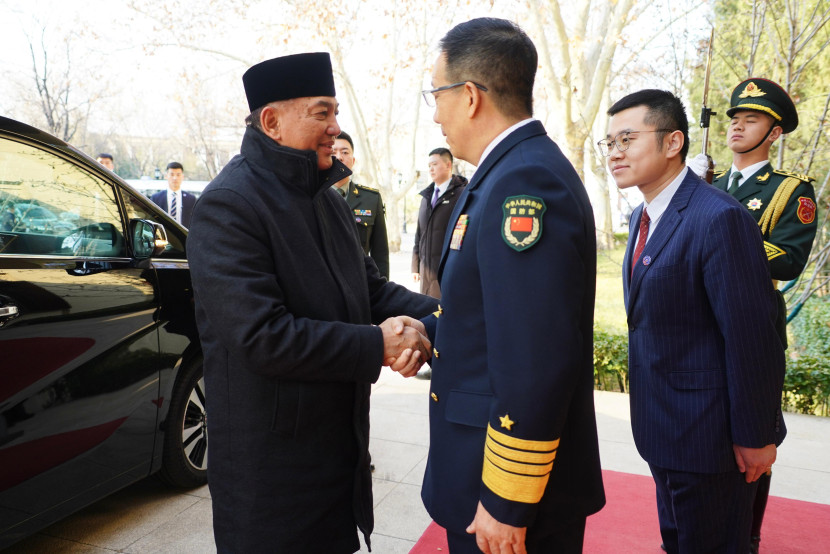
(647,260)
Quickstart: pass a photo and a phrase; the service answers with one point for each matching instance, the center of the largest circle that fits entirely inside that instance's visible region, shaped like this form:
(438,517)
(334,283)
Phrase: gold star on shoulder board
(506,422)
(754,204)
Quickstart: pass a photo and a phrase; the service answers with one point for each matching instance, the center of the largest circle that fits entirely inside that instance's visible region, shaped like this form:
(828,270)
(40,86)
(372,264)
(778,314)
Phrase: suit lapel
(532,129)
(666,227)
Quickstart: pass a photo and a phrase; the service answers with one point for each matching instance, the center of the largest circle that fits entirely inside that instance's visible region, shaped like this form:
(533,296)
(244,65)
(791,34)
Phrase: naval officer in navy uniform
(513,462)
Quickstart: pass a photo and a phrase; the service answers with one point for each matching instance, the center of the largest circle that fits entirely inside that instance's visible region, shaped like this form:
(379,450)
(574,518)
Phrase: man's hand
(405,345)
(416,277)
(494,537)
(754,462)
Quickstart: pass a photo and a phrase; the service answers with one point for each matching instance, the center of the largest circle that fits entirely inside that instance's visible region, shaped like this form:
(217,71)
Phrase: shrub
(810,329)
(807,385)
(610,361)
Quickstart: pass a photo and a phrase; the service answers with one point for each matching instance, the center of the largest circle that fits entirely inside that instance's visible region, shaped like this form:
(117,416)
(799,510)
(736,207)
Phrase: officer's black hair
(497,54)
(175,165)
(665,111)
(443,152)
(103,155)
(345,136)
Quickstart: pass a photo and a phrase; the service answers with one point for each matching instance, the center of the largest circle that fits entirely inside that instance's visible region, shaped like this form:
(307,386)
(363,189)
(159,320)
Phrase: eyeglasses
(429,95)
(623,141)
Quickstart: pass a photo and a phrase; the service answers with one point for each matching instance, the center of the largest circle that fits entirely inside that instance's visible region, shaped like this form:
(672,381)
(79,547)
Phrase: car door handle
(8,311)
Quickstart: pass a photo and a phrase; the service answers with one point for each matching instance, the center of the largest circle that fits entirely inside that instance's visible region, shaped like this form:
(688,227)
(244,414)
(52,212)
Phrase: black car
(100,363)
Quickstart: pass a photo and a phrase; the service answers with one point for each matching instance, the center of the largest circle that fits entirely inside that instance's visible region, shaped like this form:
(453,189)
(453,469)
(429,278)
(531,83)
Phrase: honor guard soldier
(783,204)
(366,206)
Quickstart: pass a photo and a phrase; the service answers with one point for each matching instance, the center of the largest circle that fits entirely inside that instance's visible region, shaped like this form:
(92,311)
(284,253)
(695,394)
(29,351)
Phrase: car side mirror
(149,238)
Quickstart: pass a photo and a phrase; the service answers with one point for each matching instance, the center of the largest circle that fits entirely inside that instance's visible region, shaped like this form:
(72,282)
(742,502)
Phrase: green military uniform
(784,205)
(369,214)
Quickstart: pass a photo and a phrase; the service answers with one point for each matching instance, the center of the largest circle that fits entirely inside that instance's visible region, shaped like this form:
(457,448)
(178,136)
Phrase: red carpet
(628,523)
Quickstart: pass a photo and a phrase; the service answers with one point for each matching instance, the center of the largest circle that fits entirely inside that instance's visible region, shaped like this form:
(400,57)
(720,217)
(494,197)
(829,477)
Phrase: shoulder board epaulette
(800,176)
(364,187)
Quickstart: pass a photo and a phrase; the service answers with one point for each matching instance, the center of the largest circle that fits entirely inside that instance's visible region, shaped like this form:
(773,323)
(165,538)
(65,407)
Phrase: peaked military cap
(287,77)
(765,96)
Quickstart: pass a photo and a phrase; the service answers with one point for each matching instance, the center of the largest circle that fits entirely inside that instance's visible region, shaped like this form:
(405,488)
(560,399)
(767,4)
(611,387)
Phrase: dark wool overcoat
(285,302)
(429,235)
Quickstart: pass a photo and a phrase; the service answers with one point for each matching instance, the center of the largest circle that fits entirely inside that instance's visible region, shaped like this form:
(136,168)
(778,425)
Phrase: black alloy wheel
(184,462)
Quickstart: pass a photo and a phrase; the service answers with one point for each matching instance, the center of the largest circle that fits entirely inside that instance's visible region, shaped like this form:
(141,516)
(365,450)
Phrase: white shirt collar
(659,203)
(747,172)
(443,186)
(495,142)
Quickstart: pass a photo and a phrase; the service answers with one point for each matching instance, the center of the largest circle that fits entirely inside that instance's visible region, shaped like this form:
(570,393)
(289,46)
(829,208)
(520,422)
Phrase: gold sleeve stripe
(511,486)
(517,467)
(523,456)
(513,442)
(772,250)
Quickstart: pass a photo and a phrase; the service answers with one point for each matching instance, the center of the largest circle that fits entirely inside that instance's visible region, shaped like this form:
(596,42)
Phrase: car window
(137,209)
(49,206)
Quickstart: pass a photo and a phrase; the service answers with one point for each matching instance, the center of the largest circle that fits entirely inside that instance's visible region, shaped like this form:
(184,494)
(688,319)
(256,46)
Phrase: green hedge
(610,361)
(806,385)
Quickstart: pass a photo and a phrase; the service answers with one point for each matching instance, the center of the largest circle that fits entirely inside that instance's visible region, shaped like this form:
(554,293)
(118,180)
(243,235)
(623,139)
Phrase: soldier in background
(783,204)
(366,206)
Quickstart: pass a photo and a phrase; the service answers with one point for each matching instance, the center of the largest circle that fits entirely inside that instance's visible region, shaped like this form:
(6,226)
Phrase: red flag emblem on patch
(521,224)
(806,210)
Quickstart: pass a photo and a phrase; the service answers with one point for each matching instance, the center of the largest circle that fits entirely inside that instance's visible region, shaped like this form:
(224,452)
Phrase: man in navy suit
(176,202)
(706,363)
(513,461)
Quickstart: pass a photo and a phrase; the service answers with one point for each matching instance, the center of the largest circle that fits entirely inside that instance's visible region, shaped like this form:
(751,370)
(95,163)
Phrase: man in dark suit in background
(512,379)
(366,205)
(437,203)
(176,202)
(705,361)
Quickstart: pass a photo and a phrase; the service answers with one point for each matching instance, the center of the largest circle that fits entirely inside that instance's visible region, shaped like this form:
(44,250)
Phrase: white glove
(699,165)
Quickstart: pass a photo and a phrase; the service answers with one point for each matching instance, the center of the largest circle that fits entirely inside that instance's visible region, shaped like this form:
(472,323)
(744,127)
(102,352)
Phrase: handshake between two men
(405,345)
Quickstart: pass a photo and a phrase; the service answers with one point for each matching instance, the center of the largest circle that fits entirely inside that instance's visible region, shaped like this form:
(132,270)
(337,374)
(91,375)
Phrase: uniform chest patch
(522,221)
(806,210)
(367,213)
(754,204)
(459,232)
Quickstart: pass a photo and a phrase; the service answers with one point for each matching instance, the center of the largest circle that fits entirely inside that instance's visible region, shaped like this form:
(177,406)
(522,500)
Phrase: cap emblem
(752,91)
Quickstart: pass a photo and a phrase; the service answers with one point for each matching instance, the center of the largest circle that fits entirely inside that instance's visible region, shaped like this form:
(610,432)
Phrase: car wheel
(184,462)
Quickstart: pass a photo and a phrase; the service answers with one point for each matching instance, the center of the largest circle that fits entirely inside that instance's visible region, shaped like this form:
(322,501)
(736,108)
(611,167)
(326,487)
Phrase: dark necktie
(342,191)
(641,239)
(733,186)
(173,208)
(435,197)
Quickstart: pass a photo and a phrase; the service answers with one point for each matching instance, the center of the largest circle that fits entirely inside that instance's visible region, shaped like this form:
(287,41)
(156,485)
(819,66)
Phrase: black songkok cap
(287,77)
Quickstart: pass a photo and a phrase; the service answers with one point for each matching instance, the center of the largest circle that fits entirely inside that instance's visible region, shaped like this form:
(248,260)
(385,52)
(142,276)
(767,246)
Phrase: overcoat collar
(295,168)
